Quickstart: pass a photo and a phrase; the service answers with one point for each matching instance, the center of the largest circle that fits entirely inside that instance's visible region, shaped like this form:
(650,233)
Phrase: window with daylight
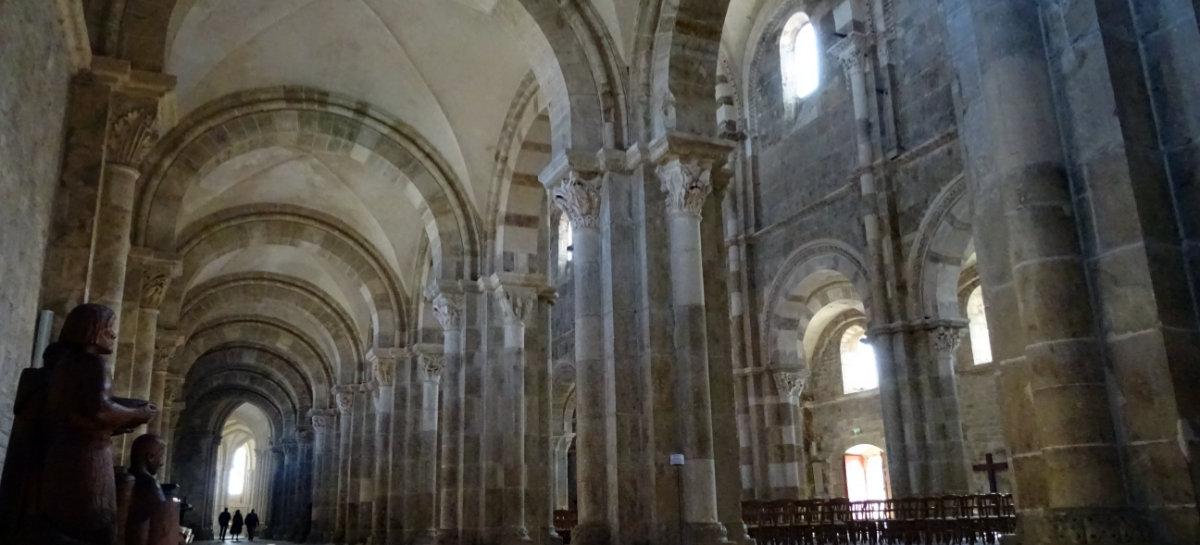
(237,472)
(566,241)
(859,372)
(865,480)
(799,58)
(981,342)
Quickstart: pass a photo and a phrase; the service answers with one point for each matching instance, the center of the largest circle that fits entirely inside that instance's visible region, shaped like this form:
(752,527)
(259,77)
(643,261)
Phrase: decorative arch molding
(197,387)
(938,251)
(577,62)
(247,121)
(230,291)
(244,359)
(519,206)
(680,42)
(206,413)
(280,337)
(317,301)
(246,227)
(826,256)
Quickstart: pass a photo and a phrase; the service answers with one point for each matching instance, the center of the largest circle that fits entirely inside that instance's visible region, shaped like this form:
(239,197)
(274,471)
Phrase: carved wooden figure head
(147,453)
(91,326)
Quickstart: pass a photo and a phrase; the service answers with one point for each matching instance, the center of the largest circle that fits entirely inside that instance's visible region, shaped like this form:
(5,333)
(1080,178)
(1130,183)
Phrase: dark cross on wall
(992,468)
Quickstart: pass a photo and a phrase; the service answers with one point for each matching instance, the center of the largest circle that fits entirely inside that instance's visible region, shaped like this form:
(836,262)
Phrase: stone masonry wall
(34,76)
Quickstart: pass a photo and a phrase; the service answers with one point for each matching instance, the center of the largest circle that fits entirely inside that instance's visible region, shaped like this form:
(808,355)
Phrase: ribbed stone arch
(253,359)
(520,214)
(936,259)
(306,118)
(303,293)
(241,229)
(280,338)
(224,297)
(335,348)
(814,276)
(565,62)
(681,39)
(198,385)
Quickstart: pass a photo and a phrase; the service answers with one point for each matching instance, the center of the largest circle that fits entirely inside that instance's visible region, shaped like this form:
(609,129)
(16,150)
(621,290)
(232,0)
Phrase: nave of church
(604,272)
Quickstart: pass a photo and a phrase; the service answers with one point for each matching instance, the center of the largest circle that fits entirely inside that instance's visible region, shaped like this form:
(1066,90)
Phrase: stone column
(852,51)
(687,182)
(448,309)
(788,462)
(535,367)
(157,273)
(421,515)
(384,371)
(515,304)
(344,396)
(363,500)
(131,134)
(579,197)
(324,476)
(562,471)
(1057,415)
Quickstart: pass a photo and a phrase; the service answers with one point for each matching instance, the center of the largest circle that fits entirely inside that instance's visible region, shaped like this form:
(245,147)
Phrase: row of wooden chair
(948,520)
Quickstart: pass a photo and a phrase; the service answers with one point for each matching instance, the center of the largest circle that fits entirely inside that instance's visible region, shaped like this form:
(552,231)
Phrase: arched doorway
(866,478)
(243,462)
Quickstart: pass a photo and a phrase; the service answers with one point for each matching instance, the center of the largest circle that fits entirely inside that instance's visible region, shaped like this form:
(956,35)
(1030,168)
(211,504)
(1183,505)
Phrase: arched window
(799,58)
(859,372)
(237,471)
(865,480)
(981,342)
(566,241)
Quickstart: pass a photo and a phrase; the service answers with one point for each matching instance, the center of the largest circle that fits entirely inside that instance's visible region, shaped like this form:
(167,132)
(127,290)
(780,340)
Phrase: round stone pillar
(579,197)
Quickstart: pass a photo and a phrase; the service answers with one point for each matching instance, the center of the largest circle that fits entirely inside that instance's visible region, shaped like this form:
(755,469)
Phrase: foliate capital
(851,51)
(790,383)
(687,181)
(323,420)
(448,310)
(432,365)
(515,306)
(131,136)
(344,397)
(578,197)
(945,339)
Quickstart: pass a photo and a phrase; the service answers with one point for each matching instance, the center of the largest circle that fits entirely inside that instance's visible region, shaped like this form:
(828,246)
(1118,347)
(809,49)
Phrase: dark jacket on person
(235,527)
(223,518)
(252,520)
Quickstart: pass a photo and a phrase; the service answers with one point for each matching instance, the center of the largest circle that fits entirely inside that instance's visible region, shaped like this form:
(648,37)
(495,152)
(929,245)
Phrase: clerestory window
(799,58)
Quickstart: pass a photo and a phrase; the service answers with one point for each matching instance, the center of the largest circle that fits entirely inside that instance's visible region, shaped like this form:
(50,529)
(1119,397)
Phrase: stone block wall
(34,74)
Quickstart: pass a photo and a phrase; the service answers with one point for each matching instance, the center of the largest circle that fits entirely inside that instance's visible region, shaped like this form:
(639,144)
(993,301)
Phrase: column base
(1083,526)
(591,533)
(444,536)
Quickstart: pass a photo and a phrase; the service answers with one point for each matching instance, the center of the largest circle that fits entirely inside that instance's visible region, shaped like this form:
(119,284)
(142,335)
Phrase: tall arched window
(981,341)
(237,471)
(859,371)
(799,58)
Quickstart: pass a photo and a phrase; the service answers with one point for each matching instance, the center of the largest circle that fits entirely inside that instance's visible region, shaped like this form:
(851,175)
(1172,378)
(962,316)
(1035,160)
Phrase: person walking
(223,522)
(251,524)
(235,527)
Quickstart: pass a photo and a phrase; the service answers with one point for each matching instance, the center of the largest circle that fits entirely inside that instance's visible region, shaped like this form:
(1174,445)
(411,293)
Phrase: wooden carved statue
(153,517)
(66,492)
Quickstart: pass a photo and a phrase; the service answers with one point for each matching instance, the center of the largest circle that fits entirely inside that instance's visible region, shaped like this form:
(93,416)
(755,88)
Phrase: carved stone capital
(166,345)
(516,304)
(432,365)
(946,339)
(448,310)
(851,51)
(344,397)
(384,370)
(323,420)
(578,197)
(131,136)
(687,181)
(790,383)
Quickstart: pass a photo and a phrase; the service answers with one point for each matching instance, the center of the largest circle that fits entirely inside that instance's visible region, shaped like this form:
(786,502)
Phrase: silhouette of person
(251,524)
(235,527)
(145,523)
(223,522)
